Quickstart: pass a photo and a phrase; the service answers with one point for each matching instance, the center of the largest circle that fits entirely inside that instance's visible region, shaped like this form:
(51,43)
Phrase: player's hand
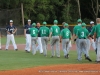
(60,41)
(49,39)
(13,32)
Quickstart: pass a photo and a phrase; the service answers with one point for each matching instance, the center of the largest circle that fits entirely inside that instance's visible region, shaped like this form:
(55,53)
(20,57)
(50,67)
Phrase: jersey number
(43,31)
(67,33)
(82,34)
(33,31)
(56,30)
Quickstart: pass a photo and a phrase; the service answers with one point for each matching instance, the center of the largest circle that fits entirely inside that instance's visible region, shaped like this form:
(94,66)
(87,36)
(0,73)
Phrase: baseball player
(34,35)
(65,37)
(39,47)
(11,29)
(97,35)
(91,35)
(55,40)
(70,45)
(27,36)
(44,33)
(82,35)
(91,39)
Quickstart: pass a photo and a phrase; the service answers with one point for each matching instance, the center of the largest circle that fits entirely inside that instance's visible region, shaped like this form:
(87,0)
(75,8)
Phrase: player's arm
(7,30)
(61,34)
(25,31)
(50,33)
(15,29)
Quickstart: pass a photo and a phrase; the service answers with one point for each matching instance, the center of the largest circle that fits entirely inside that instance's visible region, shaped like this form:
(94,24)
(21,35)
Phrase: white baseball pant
(28,42)
(10,37)
(55,41)
(65,46)
(34,39)
(98,49)
(39,47)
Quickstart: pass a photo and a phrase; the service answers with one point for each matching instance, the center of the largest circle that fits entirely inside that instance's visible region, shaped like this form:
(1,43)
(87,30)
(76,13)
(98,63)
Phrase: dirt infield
(68,69)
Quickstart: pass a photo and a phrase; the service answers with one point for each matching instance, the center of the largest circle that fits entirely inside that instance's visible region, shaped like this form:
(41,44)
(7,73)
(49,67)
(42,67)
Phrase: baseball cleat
(16,49)
(52,56)
(98,62)
(88,59)
(85,56)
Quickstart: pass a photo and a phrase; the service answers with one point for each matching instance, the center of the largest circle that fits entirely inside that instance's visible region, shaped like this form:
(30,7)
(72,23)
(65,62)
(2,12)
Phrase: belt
(82,38)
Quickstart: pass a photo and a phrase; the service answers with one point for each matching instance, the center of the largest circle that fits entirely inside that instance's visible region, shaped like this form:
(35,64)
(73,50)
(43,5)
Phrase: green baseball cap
(79,20)
(34,24)
(44,23)
(55,21)
(83,24)
(66,24)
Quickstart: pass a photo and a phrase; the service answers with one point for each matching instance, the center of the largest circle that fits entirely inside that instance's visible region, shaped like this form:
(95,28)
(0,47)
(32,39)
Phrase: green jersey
(65,33)
(33,32)
(44,31)
(76,28)
(97,30)
(82,33)
(55,30)
(93,29)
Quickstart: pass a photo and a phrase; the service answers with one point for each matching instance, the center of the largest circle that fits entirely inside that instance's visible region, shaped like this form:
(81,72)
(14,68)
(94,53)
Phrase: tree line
(62,10)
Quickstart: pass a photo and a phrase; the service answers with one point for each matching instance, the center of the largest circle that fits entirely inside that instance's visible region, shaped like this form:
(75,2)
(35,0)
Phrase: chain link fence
(10,14)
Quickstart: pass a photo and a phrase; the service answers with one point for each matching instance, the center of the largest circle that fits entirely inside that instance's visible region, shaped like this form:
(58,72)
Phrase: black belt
(82,38)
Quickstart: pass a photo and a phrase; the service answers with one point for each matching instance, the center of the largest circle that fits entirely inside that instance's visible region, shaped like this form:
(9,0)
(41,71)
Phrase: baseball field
(22,63)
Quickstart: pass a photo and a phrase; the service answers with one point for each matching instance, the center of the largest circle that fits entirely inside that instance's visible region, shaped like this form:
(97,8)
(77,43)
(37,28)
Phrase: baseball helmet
(55,21)
(66,24)
(34,24)
(83,24)
(44,23)
(79,20)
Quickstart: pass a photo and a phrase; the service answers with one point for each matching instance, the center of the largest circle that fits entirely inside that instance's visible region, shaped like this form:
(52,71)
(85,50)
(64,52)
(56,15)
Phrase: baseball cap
(29,20)
(33,24)
(66,24)
(44,23)
(83,24)
(11,20)
(79,20)
(55,21)
(91,22)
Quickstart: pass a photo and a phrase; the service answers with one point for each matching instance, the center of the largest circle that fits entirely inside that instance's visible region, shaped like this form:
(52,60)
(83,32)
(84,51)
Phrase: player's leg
(98,50)
(29,47)
(79,49)
(33,46)
(8,41)
(68,47)
(58,47)
(27,42)
(40,44)
(70,44)
(93,44)
(85,48)
(43,44)
(64,47)
(53,42)
(13,42)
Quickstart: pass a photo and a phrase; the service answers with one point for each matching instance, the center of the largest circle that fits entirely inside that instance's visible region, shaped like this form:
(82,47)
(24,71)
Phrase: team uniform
(82,35)
(34,35)
(91,34)
(91,41)
(44,33)
(97,31)
(39,47)
(55,40)
(66,36)
(28,37)
(10,37)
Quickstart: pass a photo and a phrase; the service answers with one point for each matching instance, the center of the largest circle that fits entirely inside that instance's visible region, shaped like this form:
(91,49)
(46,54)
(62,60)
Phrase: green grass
(19,59)
(18,40)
